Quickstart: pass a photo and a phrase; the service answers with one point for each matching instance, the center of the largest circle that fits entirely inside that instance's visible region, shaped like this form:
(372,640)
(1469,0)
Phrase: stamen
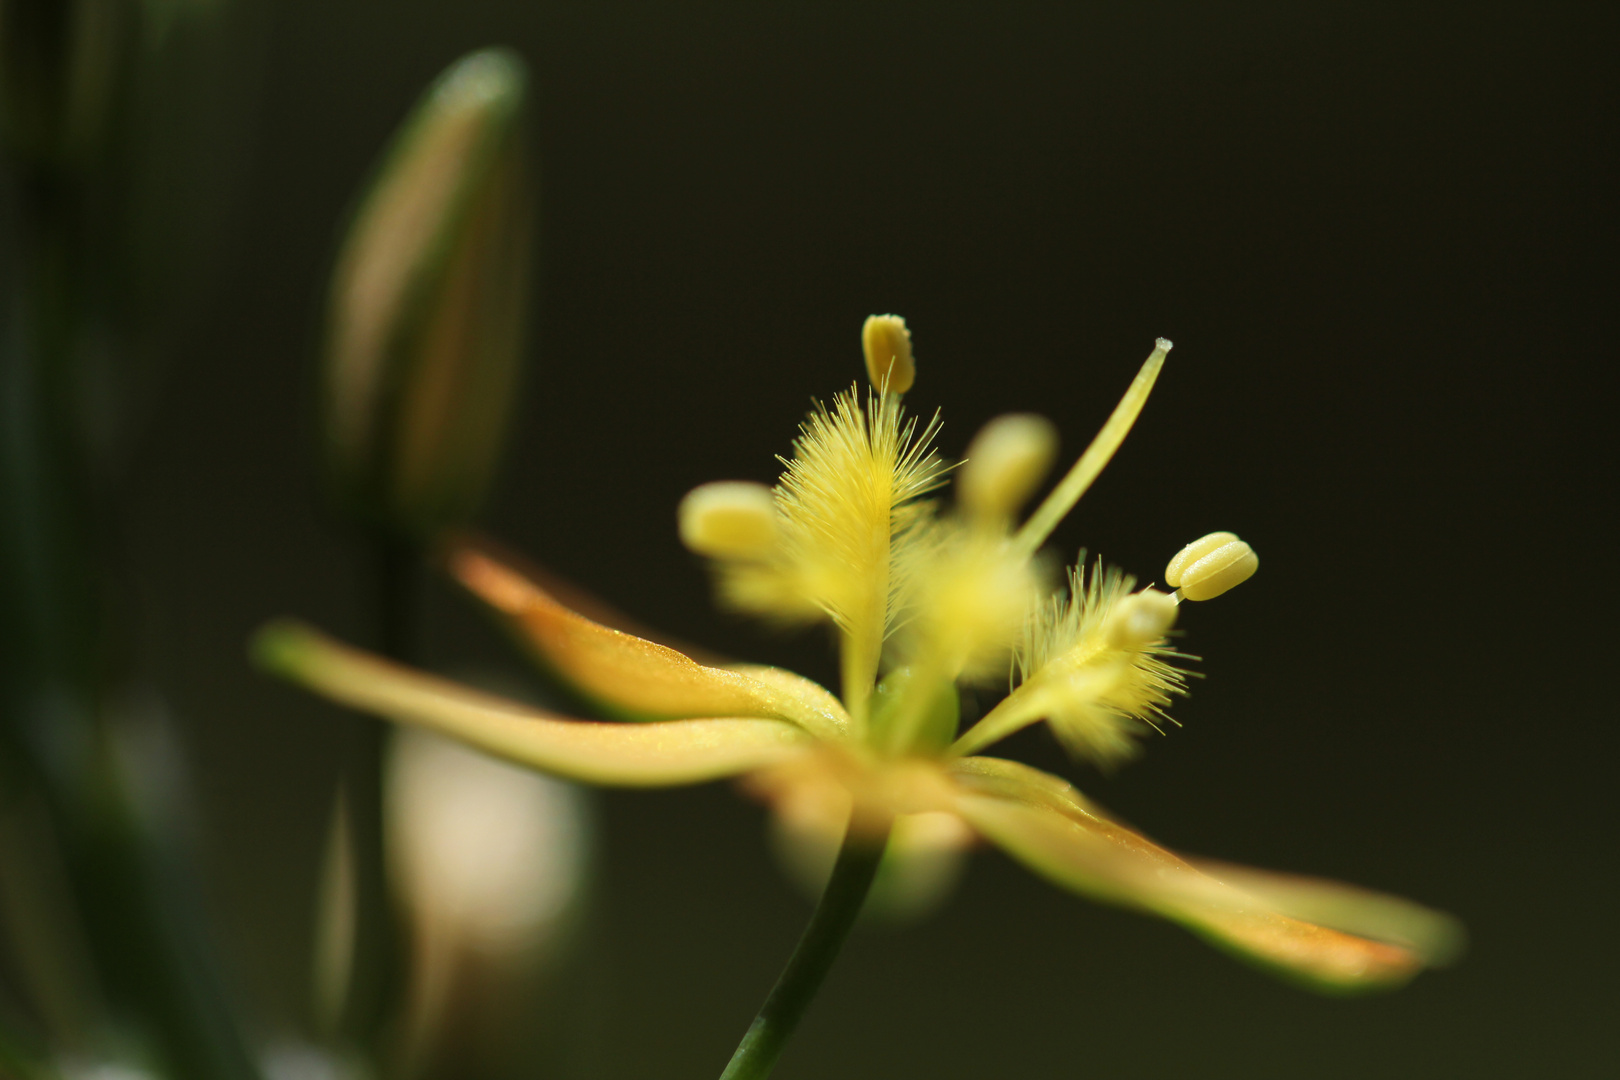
(1102,448)
(1210,566)
(887,344)
(1095,666)
(831,539)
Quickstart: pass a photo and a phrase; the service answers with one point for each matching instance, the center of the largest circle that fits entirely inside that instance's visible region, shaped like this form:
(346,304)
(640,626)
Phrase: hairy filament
(847,512)
(1095,665)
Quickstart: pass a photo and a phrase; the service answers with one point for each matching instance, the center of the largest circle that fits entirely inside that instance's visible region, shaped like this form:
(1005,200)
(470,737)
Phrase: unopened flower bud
(1005,462)
(425,318)
(1142,619)
(1211,565)
(887,343)
(729,519)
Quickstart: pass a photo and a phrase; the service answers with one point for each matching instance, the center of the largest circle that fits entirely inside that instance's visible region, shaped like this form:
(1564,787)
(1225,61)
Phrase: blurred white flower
(488,860)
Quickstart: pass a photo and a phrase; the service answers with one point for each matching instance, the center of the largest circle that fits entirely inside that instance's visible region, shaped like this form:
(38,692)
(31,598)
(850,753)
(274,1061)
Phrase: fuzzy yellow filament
(833,539)
(845,496)
(1095,665)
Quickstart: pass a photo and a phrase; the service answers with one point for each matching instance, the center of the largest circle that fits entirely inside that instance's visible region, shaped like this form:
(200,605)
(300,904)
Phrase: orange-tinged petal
(635,755)
(634,674)
(1438,938)
(1035,819)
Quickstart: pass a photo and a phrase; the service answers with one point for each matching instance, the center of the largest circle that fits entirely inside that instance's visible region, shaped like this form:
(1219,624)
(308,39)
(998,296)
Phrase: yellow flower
(923,599)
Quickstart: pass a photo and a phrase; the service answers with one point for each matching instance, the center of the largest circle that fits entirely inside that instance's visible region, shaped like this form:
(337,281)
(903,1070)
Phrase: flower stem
(378,972)
(67,669)
(835,915)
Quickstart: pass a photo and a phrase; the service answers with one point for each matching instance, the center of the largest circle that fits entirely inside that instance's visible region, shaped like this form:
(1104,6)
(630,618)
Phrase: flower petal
(1438,938)
(1015,780)
(632,673)
(1048,826)
(636,755)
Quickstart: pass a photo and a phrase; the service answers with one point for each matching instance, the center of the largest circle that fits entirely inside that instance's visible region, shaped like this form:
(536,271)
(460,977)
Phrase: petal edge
(1102,859)
(658,754)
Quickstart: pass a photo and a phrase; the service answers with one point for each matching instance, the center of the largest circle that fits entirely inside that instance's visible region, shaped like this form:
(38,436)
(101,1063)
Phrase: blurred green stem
(376,993)
(15,1064)
(65,659)
(796,988)
(396,596)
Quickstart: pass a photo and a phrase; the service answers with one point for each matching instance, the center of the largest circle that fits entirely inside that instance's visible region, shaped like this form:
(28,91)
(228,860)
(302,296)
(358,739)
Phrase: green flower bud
(425,316)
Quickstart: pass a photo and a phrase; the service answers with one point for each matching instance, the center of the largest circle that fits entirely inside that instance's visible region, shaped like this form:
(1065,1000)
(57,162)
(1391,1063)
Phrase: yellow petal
(632,673)
(1437,937)
(1015,780)
(813,706)
(634,755)
(1043,823)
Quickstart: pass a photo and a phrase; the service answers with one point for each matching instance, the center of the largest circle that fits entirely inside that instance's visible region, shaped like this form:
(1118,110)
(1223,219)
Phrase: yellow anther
(887,343)
(1211,565)
(1007,459)
(1142,619)
(729,519)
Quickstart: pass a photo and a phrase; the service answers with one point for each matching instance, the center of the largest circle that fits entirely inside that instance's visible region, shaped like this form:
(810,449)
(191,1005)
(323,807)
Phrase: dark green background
(1380,236)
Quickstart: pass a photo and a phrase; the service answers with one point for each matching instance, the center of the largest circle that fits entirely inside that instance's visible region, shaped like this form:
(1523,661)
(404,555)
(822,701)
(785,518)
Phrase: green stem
(835,915)
(65,667)
(396,595)
(378,971)
(15,1063)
